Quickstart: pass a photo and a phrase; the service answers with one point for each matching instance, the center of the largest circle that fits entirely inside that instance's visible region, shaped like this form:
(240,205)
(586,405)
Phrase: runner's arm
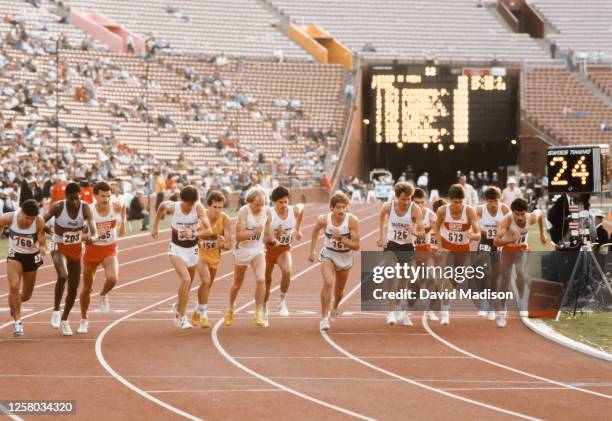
(53,210)
(353,242)
(473,220)
(501,233)
(417,217)
(5,220)
(268,234)
(299,210)
(384,214)
(164,208)
(42,237)
(315,236)
(204,229)
(93,230)
(241,232)
(227,233)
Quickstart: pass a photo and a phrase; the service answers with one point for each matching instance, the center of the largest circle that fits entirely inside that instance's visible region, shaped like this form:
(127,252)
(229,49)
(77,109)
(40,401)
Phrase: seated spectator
(136,210)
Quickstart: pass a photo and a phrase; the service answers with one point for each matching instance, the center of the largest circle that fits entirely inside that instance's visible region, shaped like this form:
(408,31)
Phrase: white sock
(203,308)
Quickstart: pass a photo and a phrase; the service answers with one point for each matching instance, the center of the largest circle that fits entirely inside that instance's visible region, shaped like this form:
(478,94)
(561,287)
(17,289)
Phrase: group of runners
(264,235)
(451,234)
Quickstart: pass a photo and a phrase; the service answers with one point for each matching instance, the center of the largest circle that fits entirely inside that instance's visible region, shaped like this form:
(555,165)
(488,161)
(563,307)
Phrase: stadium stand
(441,29)
(581,26)
(570,112)
(236,27)
(603,79)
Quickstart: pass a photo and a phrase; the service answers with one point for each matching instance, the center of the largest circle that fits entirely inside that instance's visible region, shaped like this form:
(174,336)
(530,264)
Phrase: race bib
(337,244)
(185,235)
(105,235)
(208,244)
(24,242)
(285,239)
(71,237)
(456,237)
(401,235)
(484,247)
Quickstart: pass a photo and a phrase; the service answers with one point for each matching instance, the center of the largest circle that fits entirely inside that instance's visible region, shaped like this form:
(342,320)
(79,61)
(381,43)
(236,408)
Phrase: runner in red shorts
(286,222)
(70,215)
(103,252)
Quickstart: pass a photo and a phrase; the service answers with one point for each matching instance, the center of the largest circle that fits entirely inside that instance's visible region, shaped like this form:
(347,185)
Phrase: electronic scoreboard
(408,104)
(578,169)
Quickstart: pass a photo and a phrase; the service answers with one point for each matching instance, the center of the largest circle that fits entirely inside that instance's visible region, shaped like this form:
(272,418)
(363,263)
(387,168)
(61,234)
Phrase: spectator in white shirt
(511,192)
(471,198)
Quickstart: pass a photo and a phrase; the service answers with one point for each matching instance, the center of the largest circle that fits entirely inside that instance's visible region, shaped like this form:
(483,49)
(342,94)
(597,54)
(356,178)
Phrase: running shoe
(391,318)
(259,319)
(196,317)
(18,328)
(184,323)
(104,304)
(324,325)
(55,319)
(444,318)
(83,325)
(491,315)
(283,310)
(229,317)
(431,315)
(66,330)
(501,320)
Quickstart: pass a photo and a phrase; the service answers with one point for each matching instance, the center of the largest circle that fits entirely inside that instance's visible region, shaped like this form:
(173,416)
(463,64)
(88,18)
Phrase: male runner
(189,221)
(26,250)
(512,237)
(252,223)
(70,215)
(103,252)
(341,239)
(286,222)
(210,254)
(458,225)
(401,222)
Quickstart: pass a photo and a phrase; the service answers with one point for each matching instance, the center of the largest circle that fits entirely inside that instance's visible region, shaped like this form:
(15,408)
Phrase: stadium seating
(236,27)
(603,79)
(446,29)
(557,102)
(583,26)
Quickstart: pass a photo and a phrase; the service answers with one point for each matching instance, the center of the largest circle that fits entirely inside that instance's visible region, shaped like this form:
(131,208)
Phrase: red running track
(134,364)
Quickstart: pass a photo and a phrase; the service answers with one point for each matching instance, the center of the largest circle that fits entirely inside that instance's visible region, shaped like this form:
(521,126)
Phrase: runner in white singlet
(252,227)
(189,221)
(26,250)
(341,239)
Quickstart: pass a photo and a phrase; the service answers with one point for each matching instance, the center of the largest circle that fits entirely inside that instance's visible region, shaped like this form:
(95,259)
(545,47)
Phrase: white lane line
(414,382)
(123,380)
(214,390)
(512,369)
(337,357)
(9,414)
(268,380)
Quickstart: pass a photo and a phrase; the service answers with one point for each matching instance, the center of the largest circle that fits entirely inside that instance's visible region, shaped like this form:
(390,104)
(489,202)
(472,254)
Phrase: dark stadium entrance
(442,166)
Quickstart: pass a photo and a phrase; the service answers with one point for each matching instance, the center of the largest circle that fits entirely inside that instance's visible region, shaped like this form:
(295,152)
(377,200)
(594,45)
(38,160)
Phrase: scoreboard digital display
(578,169)
(438,104)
